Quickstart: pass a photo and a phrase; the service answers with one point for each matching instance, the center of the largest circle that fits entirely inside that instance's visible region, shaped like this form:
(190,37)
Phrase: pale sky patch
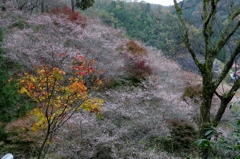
(162,2)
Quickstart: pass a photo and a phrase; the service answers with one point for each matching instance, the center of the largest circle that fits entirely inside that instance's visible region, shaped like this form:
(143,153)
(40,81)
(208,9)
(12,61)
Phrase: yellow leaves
(58,74)
(57,94)
(24,90)
(32,79)
(41,98)
(93,105)
(35,127)
(91,61)
(41,71)
(40,119)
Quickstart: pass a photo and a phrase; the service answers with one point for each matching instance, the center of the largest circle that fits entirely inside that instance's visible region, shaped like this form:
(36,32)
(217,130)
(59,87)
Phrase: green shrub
(111,83)
(183,135)
(21,24)
(12,104)
(160,143)
(193,92)
(3,134)
(180,141)
(221,146)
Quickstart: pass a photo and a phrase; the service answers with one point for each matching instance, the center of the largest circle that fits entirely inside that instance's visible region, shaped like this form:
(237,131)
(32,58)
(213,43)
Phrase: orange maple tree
(59,95)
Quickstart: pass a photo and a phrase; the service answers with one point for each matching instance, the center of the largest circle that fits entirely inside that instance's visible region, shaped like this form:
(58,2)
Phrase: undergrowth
(75,16)
(194,92)
(12,104)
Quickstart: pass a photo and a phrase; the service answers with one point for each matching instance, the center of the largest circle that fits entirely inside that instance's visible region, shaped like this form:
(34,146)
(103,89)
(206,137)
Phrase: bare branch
(224,102)
(218,95)
(207,31)
(227,66)
(226,36)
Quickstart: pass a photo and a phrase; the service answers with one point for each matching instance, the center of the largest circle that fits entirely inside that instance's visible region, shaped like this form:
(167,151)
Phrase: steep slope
(152,24)
(136,119)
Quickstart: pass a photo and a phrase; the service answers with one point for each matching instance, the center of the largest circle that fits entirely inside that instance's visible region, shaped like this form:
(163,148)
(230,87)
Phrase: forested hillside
(158,26)
(132,112)
(105,83)
(154,25)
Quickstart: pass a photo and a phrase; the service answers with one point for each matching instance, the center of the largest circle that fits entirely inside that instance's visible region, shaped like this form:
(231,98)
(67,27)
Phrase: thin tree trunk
(41,153)
(42,6)
(73,5)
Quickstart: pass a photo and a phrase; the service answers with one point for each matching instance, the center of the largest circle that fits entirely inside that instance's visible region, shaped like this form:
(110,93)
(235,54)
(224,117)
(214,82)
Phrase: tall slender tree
(211,48)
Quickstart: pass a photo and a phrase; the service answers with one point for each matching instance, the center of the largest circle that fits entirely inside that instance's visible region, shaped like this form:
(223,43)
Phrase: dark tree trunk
(205,118)
(42,6)
(73,5)
(4,5)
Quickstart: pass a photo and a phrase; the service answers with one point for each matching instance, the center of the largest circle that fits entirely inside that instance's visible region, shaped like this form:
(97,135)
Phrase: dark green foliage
(152,24)
(102,152)
(182,134)
(12,104)
(222,56)
(160,143)
(181,139)
(158,26)
(229,146)
(3,134)
(111,83)
(84,4)
(20,149)
(223,146)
